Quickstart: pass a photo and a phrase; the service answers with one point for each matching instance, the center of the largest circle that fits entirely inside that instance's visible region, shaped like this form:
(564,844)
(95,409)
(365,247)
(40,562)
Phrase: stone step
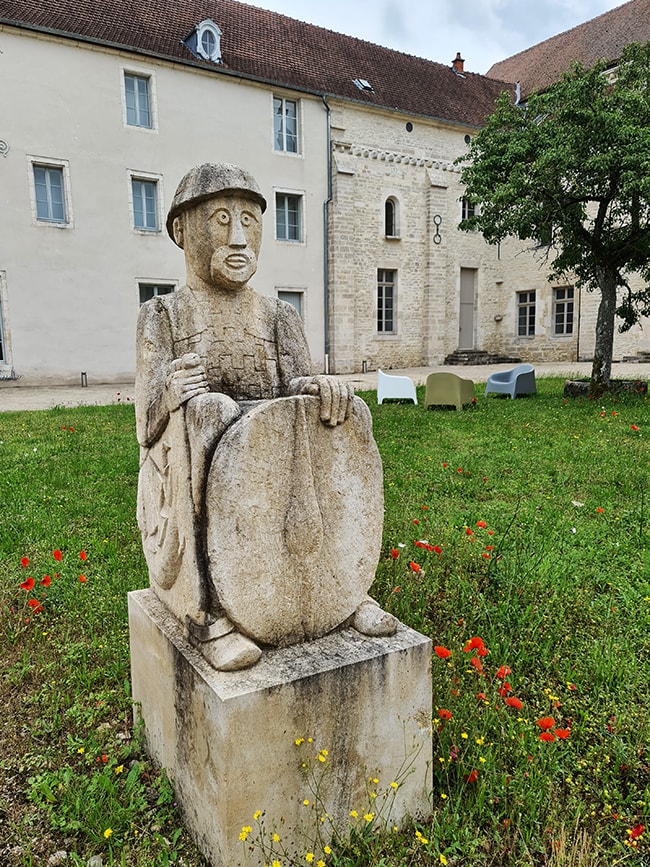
(478,357)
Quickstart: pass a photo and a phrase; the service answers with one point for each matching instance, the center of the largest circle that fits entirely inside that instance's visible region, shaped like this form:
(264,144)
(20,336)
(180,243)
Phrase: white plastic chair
(519,380)
(395,386)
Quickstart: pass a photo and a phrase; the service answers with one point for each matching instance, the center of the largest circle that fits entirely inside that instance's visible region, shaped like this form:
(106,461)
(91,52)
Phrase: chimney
(458,64)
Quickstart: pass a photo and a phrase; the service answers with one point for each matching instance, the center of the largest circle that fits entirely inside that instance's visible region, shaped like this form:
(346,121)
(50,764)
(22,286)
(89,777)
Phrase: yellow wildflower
(394,785)
(257,814)
(464,735)
(119,769)
(327,850)
(299,741)
(354,814)
(309,857)
(443,860)
(369,817)
(276,838)
(306,802)
(108,832)
(480,741)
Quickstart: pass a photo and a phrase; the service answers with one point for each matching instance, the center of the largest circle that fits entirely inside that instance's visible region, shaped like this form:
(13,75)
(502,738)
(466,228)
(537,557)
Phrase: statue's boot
(223,646)
(370,619)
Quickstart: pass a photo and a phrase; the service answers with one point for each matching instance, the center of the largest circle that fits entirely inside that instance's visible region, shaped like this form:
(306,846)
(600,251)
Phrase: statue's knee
(208,415)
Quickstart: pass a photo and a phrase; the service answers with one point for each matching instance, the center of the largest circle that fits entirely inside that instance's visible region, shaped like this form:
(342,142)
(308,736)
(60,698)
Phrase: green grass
(556,584)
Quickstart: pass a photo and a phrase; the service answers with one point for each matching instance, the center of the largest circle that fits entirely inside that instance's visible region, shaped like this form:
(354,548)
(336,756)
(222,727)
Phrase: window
(49,188)
(288,217)
(385,300)
(525,314)
(137,99)
(467,209)
(150,290)
(391,218)
(292,297)
(145,204)
(285,125)
(208,41)
(563,310)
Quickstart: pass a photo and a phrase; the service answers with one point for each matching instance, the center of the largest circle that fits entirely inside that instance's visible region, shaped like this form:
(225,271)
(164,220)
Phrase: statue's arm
(154,356)
(335,395)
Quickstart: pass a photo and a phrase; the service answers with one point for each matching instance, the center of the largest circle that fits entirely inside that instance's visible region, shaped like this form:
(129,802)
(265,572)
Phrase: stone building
(105,106)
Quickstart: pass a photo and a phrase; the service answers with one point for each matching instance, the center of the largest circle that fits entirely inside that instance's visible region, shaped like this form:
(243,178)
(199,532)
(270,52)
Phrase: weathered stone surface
(228,739)
(582,387)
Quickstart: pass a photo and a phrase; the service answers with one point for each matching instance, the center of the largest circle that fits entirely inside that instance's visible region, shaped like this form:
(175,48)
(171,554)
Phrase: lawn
(517,536)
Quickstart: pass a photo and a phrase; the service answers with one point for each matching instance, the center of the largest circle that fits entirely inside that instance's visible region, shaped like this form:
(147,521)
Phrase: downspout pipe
(326,300)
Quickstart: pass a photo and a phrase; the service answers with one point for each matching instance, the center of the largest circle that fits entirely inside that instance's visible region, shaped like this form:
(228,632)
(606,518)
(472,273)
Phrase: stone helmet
(203,182)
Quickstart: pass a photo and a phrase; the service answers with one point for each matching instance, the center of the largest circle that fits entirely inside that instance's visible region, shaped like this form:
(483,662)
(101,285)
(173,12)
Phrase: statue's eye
(246,219)
(223,217)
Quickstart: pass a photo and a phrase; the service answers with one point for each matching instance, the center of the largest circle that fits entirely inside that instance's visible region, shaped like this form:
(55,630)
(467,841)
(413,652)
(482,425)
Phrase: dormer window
(205,41)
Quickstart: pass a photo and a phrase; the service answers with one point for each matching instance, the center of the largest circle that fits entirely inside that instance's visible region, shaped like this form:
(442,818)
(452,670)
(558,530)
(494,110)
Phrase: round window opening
(409,126)
(208,42)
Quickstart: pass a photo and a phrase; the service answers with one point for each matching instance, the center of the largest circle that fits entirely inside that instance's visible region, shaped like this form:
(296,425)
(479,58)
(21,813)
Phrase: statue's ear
(177,229)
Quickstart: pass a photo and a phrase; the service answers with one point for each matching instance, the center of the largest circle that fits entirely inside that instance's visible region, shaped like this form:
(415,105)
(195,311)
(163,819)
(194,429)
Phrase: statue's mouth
(237,260)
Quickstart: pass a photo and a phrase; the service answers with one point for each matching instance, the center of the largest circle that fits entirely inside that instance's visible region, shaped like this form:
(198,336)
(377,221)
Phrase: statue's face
(221,238)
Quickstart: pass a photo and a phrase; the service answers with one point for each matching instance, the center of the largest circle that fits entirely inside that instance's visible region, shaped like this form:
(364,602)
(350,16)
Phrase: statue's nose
(237,234)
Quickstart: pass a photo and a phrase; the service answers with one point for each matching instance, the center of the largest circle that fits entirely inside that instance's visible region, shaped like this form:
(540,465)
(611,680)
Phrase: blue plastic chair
(519,380)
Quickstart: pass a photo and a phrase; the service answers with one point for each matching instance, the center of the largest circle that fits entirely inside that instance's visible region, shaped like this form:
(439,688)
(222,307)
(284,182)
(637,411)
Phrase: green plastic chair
(447,389)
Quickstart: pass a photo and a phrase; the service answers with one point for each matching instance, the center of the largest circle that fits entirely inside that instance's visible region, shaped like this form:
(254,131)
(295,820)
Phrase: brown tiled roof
(602,38)
(269,47)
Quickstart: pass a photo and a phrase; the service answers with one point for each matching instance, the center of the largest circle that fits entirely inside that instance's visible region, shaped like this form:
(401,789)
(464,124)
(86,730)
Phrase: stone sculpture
(260,496)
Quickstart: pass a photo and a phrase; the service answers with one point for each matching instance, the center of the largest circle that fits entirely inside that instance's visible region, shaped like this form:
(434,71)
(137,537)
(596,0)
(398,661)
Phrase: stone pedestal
(228,739)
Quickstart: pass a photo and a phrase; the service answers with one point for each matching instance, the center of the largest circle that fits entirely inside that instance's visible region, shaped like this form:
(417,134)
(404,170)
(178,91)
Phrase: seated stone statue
(260,496)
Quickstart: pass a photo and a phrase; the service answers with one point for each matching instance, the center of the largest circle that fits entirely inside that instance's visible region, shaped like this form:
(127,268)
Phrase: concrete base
(228,739)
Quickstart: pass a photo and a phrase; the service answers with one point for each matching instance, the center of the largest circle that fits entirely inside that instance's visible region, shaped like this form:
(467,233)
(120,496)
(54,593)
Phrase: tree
(570,171)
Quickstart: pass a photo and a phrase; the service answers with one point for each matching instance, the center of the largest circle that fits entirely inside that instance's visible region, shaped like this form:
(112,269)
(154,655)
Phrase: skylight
(362,84)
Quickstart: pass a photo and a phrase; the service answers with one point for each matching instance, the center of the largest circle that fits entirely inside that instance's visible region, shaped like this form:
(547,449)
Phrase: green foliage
(562,598)
(570,170)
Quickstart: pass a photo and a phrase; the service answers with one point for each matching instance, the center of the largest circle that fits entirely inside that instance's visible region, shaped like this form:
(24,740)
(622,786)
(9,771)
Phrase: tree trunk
(604,349)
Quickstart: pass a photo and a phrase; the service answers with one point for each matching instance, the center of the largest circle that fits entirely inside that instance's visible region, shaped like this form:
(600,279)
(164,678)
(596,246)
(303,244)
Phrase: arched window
(391,218)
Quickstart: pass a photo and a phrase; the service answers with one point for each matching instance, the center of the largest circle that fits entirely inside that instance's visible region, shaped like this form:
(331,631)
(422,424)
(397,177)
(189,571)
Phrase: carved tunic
(252,347)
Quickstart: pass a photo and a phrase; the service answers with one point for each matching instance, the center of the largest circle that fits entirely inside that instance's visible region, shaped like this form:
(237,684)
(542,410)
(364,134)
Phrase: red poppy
(24,562)
(35,605)
(83,555)
(548,737)
(503,672)
(511,701)
(481,524)
(459,469)
(562,733)
(46,580)
(83,579)
(443,713)
(469,531)
(476,663)
(546,722)
(490,532)
(415,566)
(397,589)
(486,556)
(425,508)
(475,643)
(472,777)
(442,652)
(28,583)
(445,465)
(634,427)
(482,696)
(600,509)
(489,547)
(504,690)
(636,832)
(437,549)
(57,555)
(415,521)
(394,553)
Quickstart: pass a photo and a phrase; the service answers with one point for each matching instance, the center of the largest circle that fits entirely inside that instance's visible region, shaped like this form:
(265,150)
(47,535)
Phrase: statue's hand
(335,398)
(187,378)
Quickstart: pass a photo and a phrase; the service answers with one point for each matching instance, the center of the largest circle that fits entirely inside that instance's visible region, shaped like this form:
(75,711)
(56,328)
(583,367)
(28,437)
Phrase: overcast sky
(484,31)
